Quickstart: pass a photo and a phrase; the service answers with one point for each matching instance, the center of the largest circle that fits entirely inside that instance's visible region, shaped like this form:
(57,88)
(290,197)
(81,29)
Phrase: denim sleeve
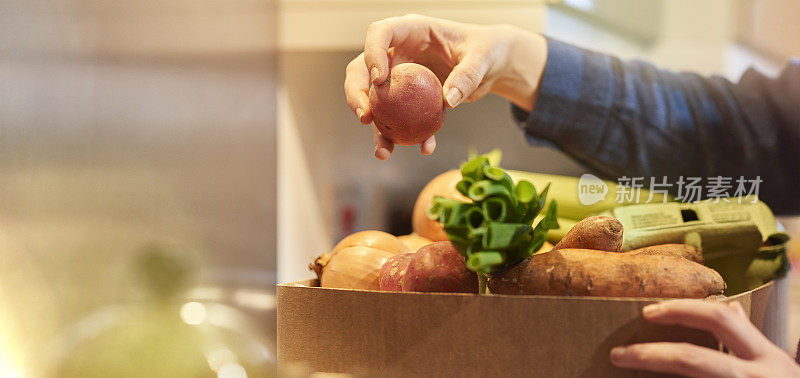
(629,118)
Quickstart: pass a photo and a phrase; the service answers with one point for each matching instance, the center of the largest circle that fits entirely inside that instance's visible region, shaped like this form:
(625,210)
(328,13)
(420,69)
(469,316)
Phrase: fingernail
(651,310)
(427,147)
(360,114)
(453,97)
(617,353)
(382,153)
(373,74)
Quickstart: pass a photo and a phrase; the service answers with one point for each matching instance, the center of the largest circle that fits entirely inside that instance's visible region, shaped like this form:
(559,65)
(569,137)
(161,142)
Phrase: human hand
(755,355)
(471,61)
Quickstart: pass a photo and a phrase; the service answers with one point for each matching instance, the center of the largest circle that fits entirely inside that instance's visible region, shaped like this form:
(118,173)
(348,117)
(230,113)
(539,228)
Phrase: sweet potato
(597,232)
(438,267)
(584,272)
(393,272)
(681,250)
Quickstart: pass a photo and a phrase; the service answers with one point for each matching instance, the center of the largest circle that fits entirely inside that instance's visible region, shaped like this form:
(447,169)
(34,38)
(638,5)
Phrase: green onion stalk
(496,229)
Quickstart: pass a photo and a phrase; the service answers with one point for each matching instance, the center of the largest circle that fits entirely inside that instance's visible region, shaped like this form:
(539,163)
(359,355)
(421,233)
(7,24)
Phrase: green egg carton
(739,238)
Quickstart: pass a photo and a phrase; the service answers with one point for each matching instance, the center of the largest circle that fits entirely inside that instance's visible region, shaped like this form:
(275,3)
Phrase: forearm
(632,119)
(523,67)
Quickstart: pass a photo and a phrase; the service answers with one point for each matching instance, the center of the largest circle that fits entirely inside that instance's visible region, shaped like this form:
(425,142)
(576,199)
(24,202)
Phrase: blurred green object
(166,335)
(770,262)
(166,269)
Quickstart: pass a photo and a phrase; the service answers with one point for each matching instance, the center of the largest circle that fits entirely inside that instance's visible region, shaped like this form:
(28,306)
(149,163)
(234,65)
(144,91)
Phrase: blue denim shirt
(630,118)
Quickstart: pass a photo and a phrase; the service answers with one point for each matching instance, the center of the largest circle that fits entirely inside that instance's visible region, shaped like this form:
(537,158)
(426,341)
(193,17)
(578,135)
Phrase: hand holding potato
(470,60)
(755,356)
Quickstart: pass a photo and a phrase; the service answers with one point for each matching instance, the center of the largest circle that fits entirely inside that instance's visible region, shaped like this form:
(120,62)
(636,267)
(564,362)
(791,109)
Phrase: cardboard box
(390,334)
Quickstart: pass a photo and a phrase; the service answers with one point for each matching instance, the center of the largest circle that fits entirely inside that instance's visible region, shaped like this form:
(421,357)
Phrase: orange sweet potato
(681,250)
(597,232)
(584,272)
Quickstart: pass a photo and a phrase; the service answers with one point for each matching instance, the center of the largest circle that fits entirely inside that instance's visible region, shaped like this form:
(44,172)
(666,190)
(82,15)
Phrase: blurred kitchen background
(164,163)
(137,166)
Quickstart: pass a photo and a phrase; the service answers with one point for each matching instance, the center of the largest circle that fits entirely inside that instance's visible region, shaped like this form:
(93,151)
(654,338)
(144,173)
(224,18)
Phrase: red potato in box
(408,108)
(438,267)
(393,272)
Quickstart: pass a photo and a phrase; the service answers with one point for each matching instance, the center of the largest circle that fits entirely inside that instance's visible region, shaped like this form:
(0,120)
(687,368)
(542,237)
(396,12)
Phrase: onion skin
(354,268)
(373,239)
(414,242)
(355,262)
(443,185)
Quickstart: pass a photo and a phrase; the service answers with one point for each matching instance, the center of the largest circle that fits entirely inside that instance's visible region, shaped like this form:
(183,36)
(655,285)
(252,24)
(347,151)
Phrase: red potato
(408,108)
(438,267)
(393,272)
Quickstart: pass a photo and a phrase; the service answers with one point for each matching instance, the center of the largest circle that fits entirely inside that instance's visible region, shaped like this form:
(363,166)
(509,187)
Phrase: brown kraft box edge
(389,334)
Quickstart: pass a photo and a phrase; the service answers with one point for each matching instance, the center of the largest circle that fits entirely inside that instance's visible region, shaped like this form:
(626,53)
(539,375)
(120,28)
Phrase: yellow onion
(414,241)
(443,185)
(353,268)
(356,261)
(374,239)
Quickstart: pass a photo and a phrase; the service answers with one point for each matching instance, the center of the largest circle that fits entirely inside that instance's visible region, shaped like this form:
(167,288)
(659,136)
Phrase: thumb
(466,76)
